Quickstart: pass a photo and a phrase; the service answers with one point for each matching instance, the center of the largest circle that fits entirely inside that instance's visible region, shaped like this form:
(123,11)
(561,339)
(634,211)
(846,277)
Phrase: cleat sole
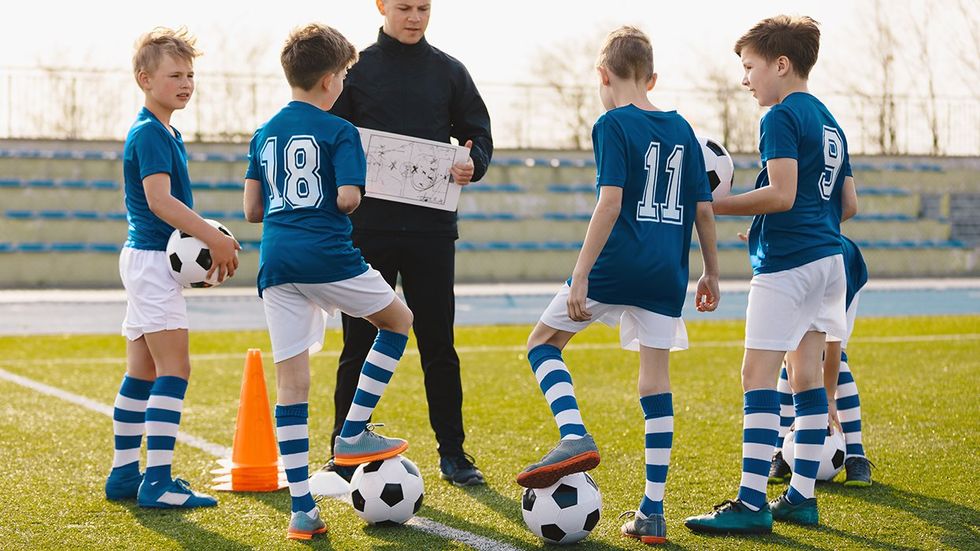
(545,476)
(355,460)
(303,535)
(649,540)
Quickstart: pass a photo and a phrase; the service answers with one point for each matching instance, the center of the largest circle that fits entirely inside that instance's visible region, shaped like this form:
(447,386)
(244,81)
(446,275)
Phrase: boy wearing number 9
(305,175)
(632,270)
(797,292)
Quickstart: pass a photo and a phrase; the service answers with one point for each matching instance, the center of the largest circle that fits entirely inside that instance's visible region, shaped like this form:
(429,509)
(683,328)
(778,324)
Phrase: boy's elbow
(785,202)
(253,216)
(348,204)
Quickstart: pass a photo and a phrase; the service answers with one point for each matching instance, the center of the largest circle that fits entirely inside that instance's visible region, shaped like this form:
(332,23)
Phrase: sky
(494,39)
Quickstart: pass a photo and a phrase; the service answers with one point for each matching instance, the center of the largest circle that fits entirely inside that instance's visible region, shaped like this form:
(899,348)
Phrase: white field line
(422,524)
(503,348)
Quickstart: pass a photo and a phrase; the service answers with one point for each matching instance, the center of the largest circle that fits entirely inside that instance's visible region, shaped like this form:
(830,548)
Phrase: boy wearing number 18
(632,270)
(305,175)
(796,296)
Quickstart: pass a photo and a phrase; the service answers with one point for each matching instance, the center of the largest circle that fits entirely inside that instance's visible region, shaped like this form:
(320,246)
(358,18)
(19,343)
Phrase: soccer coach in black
(403,85)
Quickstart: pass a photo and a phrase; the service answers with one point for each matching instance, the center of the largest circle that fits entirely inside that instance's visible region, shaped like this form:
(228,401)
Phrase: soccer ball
(720,167)
(565,512)
(831,458)
(386,492)
(190,258)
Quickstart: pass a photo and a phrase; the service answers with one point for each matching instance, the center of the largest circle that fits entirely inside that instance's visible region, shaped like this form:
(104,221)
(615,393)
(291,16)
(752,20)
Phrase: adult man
(403,85)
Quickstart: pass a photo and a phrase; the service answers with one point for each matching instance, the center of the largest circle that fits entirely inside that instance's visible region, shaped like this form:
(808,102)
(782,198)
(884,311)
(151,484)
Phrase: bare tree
(566,69)
(883,50)
(921,28)
(734,109)
(969,50)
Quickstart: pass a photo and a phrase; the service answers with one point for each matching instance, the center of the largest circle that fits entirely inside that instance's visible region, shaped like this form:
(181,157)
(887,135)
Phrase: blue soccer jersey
(801,128)
(151,149)
(855,270)
(656,159)
(301,156)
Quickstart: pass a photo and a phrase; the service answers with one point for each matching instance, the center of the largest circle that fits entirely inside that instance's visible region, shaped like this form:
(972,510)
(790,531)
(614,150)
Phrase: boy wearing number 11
(632,270)
(305,174)
(797,292)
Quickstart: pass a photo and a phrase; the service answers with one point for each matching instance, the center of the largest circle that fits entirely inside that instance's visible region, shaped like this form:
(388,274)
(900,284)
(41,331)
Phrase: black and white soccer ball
(565,512)
(190,258)
(831,457)
(719,165)
(388,491)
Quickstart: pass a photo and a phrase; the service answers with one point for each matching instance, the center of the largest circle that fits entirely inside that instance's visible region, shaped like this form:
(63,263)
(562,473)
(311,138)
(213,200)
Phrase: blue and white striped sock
(849,409)
(128,423)
(786,413)
(375,375)
(760,428)
(162,422)
(292,432)
(658,413)
(556,384)
(811,430)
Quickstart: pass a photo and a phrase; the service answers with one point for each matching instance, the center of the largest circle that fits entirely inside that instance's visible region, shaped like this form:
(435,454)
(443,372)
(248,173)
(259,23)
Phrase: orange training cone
(254,465)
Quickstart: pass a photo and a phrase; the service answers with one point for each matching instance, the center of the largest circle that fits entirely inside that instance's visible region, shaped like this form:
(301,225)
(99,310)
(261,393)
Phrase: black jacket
(415,90)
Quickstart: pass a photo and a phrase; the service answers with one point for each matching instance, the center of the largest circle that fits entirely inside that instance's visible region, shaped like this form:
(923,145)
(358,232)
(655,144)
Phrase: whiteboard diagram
(411,170)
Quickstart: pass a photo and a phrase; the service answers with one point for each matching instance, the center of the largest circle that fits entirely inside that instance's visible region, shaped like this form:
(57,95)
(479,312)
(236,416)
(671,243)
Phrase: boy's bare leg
(171,356)
(656,402)
(576,452)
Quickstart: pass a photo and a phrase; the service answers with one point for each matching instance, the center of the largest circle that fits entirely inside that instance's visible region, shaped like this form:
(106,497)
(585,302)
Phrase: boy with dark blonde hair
(797,292)
(632,270)
(305,175)
(158,199)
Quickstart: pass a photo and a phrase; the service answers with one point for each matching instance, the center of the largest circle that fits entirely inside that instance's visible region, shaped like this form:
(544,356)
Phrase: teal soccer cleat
(369,446)
(732,517)
(119,487)
(651,530)
(303,526)
(804,513)
(568,457)
(172,494)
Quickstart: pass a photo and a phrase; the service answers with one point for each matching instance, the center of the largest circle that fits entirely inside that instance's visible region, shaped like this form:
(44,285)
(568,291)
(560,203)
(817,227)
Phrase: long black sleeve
(470,120)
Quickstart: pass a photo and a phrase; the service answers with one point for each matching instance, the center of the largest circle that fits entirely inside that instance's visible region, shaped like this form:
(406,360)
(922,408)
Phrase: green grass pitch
(918,379)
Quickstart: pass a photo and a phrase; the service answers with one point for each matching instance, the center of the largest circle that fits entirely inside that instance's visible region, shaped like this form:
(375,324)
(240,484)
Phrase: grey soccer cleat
(568,457)
(651,530)
(370,446)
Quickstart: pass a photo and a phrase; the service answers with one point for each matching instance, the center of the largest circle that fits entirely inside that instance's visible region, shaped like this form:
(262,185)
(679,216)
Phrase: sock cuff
(657,405)
(537,355)
(393,342)
(763,400)
(174,387)
(815,398)
(301,410)
(137,389)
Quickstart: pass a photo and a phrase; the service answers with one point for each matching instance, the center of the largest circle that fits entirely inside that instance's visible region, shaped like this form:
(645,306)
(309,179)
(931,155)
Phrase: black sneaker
(460,470)
(779,470)
(858,472)
(344,472)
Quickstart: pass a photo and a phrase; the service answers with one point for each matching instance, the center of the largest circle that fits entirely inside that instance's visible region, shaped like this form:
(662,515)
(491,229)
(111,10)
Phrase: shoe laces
(630,513)
(371,426)
(463,461)
(727,504)
(183,484)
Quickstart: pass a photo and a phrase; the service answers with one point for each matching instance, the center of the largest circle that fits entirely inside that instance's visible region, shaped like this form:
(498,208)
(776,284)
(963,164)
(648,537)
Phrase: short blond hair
(161,41)
(313,51)
(628,54)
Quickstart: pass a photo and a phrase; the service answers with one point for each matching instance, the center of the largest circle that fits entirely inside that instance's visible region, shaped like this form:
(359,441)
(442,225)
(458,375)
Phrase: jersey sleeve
(697,171)
(779,135)
(153,153)
(254,171)
(609,144)
(349,162)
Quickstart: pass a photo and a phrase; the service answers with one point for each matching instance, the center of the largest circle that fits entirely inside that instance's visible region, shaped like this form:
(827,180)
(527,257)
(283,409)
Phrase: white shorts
(636,325)
(295,312)
(153,297)
(784,306)
(851,315)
